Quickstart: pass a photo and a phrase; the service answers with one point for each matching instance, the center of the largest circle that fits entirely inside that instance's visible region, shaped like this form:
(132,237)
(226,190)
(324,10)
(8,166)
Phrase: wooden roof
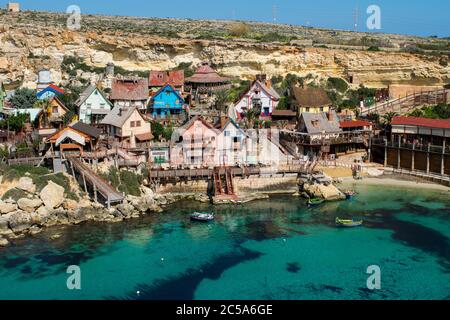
(311,97)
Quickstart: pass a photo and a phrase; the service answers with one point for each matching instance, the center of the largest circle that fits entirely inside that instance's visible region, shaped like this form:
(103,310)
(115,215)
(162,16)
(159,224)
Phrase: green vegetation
(125,181)
(23,98)
(15,123)
(71,64)
(186,67)
(239,29)
(440,111)
(338,84)
(373,48)
(159,131)
(238,89)
(40,176)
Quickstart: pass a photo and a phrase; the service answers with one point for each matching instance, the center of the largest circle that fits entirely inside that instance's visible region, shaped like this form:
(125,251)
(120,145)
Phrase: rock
(29,205)
(55,237)
(6,207)
(34,230)
(20,221)
(4,224)
(329,192)
(126,209)
(3,242)
(52,195)
(70,204)
(26,184)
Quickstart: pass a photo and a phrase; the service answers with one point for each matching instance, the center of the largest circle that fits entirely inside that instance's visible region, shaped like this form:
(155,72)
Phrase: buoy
(138,292)
(162,259)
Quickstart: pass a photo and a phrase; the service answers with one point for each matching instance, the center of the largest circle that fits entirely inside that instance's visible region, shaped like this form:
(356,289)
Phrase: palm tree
(251,116)
(221,102)
(387,120)
(46,107)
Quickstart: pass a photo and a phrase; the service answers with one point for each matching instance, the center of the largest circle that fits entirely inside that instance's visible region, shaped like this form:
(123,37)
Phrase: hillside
(33,40)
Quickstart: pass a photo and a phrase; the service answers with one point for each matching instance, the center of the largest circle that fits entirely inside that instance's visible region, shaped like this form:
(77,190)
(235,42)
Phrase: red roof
(206,74)
(355,124)
(129,89)
(56,88)
(161,78)
(421,122)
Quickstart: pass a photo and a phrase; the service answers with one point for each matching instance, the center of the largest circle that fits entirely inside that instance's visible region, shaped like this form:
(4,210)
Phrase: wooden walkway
(408,103)
(100,185)
(200,174)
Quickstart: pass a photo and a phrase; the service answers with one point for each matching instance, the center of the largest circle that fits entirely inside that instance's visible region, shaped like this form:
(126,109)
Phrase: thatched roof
(311,97)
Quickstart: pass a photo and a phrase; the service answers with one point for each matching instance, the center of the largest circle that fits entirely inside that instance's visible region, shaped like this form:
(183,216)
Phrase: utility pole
(356,17)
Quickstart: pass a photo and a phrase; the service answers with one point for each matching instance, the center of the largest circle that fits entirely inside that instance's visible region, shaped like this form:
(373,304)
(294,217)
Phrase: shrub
(23,98)
(239,29)
(337,83)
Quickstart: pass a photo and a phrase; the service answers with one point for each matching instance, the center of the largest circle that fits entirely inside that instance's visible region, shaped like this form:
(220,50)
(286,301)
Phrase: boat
(348,223)
(315,202)
(203,217)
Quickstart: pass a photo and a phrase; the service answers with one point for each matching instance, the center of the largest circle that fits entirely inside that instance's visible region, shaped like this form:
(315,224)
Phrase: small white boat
(204,217)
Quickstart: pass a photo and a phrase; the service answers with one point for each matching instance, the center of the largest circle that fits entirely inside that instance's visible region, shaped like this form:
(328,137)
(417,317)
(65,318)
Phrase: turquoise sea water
(270,249)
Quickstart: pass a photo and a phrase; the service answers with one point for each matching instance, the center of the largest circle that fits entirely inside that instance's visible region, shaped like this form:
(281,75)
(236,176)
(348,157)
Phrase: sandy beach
(395,182)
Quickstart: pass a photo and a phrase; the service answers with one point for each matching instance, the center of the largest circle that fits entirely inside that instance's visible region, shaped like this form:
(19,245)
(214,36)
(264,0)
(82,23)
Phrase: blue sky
(424,18)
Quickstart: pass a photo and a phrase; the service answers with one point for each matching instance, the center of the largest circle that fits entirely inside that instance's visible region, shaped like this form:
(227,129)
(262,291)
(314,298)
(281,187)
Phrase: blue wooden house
(166,102)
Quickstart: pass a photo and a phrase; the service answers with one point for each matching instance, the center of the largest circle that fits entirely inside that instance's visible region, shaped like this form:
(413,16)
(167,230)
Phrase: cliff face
(24,49)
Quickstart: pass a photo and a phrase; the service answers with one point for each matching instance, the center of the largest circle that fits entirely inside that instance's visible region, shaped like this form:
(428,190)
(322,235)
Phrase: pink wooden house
(194,144)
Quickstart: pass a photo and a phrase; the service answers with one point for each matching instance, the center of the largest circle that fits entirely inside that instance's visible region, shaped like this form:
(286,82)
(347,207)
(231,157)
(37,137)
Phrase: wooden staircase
(223,183)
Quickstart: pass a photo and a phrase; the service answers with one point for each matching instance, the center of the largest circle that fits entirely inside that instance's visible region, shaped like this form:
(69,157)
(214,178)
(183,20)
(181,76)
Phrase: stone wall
(252,184)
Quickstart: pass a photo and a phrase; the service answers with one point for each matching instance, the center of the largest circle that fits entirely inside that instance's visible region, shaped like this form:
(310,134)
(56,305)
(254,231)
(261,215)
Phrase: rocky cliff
(31,41)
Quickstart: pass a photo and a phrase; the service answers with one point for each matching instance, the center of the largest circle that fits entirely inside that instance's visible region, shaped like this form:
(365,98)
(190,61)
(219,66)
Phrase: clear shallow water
(270,249)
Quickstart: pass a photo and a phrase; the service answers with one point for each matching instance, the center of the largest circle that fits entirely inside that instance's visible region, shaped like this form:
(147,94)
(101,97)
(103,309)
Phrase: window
(102,105)
(54,109)
(321,109)
(96,92)
(307,109)
(138,123)
(236,139)
(227,133)
(132,124)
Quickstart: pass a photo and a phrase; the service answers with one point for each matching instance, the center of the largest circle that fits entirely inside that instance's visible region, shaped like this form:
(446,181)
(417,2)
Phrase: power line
(356,17)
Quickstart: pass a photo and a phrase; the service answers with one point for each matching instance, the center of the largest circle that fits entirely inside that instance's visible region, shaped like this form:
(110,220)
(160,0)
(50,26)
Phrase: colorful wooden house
(166,102)
(194,144)
(158,79)
(50,92)
(129,93)
(71,139)
(50,119)
(128,126)
(310,100)
(260,96)
(231,144)
(92,105)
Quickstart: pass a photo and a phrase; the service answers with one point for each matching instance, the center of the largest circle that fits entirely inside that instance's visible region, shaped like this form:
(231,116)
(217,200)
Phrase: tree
(221,101)
(23,98)
(46,107)
(17,123)
(251,117)
(157,130)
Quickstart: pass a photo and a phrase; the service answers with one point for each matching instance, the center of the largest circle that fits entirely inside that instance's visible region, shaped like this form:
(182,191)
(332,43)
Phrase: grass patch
(14,194)
(125,181)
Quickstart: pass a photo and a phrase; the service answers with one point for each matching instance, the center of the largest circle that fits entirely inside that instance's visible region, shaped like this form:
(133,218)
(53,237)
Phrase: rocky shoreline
(50,207)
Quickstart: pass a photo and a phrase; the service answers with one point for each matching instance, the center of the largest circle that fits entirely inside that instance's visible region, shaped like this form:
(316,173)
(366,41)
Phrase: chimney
(223,121)
(330,115)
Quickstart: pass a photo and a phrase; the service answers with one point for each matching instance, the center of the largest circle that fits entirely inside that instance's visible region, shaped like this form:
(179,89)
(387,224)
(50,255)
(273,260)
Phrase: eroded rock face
(20,221)
(52,195)
(26,184)
(29,205)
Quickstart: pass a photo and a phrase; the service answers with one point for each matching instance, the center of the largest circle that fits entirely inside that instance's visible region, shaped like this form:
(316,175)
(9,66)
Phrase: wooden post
(385,153)
(95,193)
(73,171)
(109,202)
(399,153)
(443,158)
(84,182)
(412,157)
(428,158)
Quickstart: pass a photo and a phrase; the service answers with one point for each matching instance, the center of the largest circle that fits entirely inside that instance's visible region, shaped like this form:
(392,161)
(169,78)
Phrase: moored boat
(315,202)
(203,217)
(348,223)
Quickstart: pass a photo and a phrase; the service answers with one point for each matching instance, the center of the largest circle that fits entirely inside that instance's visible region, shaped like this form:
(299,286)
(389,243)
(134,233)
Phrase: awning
(144,137)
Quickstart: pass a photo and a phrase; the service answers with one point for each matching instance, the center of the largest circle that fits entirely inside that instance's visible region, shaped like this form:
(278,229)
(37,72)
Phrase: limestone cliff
(26,47)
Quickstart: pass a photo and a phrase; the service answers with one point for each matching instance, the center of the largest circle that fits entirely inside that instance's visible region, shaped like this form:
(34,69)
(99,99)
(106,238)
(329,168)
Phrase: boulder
(329,192)
(3,242)
(52,195)
(6,207)
(4,224)
(26,184)
(126,209)
(70,204)
(29,205)
(21,221)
